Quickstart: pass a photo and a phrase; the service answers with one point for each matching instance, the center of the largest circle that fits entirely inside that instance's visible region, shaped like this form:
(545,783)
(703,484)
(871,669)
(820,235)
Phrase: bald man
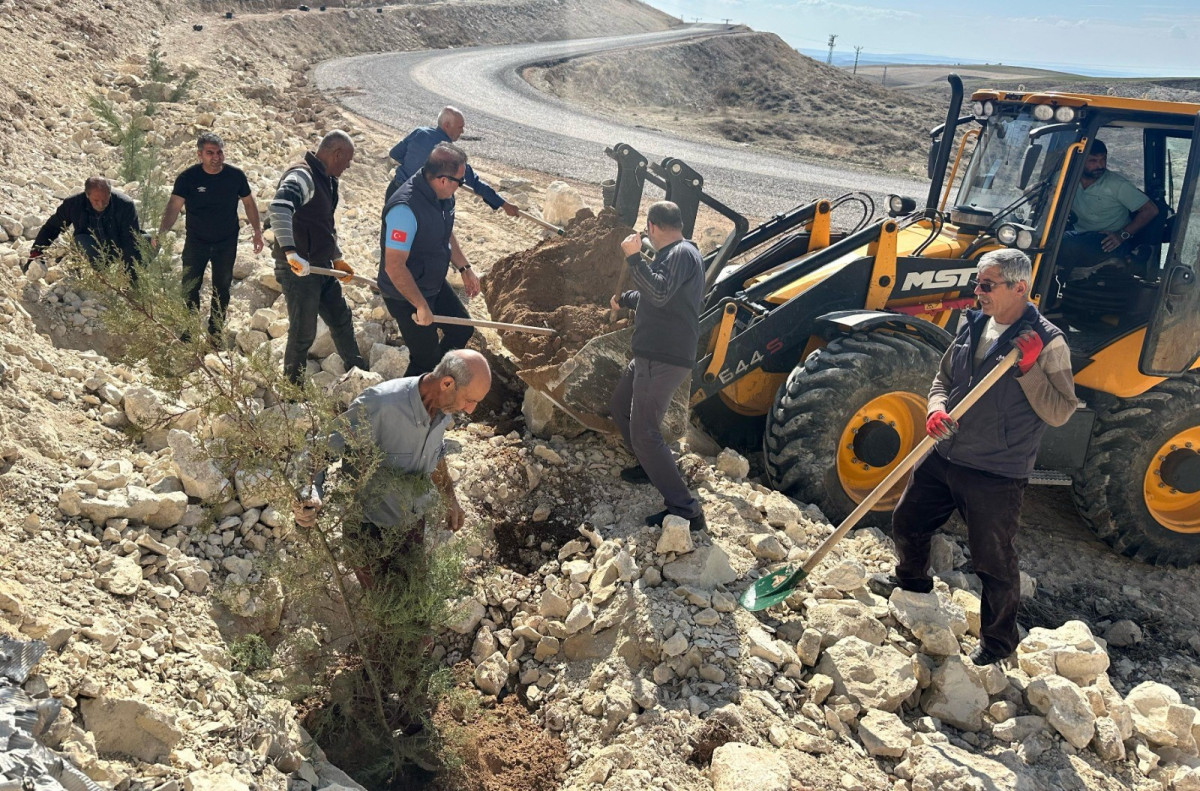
(408,418)
(305,236)
(413,150)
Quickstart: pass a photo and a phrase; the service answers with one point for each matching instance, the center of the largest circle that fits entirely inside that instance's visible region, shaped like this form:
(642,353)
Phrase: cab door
(1173,335)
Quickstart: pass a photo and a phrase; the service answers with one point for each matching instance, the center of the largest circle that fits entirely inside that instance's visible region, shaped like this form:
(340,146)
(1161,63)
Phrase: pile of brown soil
(501,749)
(564,282)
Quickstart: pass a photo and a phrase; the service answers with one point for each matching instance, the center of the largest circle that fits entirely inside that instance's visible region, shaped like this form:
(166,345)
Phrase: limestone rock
(846,576)
(767,547)
(707,567)
(956,695)
(935,622)
(939,766)
(1159,715)
(389,362)
(492,674)
(544,419)
(124,577)
(200,475)
(467,615)
(885,734)
(1069,651)
(562,202)
(839,618)
(130,727)
(871,676)
(1066,708)
(733,464)
(739,767)
(676,536)
(354,382)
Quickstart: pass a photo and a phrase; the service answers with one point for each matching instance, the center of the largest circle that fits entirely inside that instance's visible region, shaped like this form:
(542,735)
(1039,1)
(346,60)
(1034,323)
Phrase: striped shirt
(295,190)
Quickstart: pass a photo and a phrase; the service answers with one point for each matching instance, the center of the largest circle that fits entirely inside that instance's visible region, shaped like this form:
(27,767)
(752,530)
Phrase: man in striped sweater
(981,464)
(305,236)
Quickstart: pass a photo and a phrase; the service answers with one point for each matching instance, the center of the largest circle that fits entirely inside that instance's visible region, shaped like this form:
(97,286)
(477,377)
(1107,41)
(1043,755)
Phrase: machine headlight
(1043,112)
(1064,115)
(988,108)
(977,109)
(1013,235)
(899,205)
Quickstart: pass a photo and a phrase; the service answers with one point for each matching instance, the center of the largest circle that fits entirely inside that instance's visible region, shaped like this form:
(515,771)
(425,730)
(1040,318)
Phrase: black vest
(312,224)
(669,334)
(1001,433)
(429,256)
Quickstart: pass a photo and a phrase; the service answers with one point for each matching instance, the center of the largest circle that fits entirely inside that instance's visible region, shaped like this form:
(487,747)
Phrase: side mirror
(1032,154)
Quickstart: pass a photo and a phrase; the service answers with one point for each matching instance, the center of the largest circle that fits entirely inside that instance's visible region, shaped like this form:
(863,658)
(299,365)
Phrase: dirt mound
(564,282)
(502,750)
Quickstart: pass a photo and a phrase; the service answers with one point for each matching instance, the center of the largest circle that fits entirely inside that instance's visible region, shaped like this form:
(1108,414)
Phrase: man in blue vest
(417,248)
(411,153)
(981,464)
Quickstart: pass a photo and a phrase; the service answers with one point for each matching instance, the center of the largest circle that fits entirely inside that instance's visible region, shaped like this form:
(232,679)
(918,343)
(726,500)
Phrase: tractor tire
(833,401)
(1137,444)
(731,429)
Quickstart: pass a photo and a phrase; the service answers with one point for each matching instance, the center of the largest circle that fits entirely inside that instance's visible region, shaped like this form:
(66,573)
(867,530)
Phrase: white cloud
(1177,32)
(862,11)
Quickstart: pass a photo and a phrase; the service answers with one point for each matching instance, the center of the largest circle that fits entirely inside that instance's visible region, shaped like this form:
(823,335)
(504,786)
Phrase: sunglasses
(987,286)
(457,181)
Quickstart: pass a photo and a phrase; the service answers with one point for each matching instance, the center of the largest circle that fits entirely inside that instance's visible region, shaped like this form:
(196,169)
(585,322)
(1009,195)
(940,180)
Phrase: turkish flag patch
(399,236)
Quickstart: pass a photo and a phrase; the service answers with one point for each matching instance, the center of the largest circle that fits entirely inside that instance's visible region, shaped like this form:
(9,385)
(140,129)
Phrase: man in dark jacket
(982,463)
(415,148)
(417,247)
(666,329)
(302,219)
(103,222)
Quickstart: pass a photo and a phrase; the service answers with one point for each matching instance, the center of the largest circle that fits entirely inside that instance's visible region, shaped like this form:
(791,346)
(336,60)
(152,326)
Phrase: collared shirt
(402,429)
(413,150)
(1106,205)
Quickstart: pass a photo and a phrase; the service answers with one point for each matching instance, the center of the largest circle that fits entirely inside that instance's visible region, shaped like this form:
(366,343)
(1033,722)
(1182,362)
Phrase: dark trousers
(1082,249)
(990,505)
(196,257)
(307,298)
(639,404)
(424,348)
(93,250)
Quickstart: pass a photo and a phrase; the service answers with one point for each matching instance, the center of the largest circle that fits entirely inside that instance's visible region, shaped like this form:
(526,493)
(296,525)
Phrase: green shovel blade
(772,588)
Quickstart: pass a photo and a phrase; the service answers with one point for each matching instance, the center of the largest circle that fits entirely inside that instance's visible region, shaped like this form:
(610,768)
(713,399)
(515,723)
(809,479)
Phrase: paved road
(511,122)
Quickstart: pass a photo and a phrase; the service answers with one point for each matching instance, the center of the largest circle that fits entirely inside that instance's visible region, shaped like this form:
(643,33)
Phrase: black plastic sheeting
(26,764)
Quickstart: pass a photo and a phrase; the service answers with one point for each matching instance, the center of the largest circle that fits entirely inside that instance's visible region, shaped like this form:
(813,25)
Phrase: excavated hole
(524,546)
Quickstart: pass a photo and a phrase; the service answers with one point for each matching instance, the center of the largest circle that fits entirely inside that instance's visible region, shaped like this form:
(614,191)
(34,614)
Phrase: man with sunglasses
(982,463)
(417,247)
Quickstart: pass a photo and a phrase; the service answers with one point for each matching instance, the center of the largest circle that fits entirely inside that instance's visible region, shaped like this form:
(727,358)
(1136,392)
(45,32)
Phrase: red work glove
(940,425)
(1029,344)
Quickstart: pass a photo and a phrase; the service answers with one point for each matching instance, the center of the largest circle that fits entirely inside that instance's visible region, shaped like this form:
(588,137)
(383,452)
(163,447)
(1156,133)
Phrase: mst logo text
(937,279)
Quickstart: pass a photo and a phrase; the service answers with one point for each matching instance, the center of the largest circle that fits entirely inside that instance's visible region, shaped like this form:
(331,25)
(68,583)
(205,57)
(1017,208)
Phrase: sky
(1153,38)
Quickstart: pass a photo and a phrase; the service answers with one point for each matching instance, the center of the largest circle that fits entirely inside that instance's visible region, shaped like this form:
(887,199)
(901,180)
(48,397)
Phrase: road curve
(509,121)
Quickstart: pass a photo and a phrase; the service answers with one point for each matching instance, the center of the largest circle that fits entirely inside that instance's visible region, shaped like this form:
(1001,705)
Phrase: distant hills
(846,60)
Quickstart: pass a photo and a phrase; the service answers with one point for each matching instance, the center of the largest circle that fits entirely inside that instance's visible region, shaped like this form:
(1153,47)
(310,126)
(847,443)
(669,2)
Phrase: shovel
(496,325)
(539,221)
(778,585)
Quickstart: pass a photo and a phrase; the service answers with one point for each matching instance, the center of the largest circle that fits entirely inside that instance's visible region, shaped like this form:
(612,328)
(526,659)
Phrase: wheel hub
(1181,470)
(877,443)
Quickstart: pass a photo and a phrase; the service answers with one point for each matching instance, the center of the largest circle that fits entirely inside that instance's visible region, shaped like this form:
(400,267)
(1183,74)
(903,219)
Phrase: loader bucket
(582,386)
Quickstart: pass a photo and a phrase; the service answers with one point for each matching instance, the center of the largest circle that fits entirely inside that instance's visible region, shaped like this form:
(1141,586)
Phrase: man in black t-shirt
(210,192)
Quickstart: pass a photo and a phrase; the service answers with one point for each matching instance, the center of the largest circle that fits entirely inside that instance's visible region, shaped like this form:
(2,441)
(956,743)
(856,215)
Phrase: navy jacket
(429,256)
(412,151)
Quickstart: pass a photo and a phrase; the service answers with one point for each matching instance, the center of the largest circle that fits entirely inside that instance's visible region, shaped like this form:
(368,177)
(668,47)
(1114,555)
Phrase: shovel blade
(773,588)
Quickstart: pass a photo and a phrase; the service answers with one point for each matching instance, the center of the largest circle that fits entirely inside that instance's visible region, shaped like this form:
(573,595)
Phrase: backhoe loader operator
(981,466)
(1108,210)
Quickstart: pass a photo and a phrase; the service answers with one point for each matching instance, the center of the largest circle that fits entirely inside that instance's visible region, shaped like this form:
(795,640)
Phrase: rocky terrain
(596,652)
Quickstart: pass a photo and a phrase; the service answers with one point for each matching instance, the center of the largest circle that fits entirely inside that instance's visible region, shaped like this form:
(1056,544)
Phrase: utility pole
(726,21)
(832,38)
(856,51)
(885,76)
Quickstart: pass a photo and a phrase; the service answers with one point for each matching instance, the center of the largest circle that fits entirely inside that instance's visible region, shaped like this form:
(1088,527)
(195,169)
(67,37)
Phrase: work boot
(635,475)
(884,584)
(982,656)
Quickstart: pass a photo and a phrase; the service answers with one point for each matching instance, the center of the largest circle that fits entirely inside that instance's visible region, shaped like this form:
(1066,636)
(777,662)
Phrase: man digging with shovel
(982,463)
